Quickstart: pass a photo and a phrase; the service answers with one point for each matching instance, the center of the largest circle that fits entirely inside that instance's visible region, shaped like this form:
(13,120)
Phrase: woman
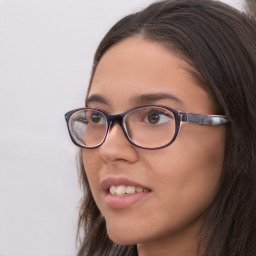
(157,179)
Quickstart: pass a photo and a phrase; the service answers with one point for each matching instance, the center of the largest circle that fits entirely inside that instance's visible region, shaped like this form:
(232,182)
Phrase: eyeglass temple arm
(203,119)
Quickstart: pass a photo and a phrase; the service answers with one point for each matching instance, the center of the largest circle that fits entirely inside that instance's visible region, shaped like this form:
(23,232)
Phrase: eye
(157,117)
(82,120)
(98,118)
(81,117)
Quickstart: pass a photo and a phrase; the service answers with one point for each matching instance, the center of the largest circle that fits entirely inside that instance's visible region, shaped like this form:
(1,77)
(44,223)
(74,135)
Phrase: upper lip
(115,181)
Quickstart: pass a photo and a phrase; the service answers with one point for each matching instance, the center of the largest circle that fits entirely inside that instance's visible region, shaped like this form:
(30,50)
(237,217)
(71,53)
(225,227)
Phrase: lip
(125,200)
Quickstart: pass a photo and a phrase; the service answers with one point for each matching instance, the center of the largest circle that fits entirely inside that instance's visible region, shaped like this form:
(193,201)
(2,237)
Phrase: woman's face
(182,178)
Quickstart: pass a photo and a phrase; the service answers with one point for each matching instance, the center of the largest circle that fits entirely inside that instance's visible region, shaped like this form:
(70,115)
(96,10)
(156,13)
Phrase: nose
(117,148)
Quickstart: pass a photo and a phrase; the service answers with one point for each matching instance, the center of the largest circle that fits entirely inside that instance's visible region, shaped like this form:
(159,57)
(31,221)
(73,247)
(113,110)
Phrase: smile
(122,190)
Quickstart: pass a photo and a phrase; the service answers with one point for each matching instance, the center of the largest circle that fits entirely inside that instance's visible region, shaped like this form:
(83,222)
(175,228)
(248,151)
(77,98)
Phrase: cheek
(202,148)
(187,173)
(92,166)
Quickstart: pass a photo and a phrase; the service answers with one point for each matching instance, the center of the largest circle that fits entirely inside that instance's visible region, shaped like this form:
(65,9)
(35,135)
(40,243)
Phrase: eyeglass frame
(179,116)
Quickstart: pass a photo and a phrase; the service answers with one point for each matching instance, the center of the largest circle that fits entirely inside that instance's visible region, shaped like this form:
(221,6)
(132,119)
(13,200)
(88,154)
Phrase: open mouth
(122,190)
(123,193)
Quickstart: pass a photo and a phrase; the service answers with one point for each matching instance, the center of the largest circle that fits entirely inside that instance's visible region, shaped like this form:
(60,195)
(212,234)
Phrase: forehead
(135,67)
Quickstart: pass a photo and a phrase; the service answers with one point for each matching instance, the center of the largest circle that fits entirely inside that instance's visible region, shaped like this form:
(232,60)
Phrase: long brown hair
(219,42)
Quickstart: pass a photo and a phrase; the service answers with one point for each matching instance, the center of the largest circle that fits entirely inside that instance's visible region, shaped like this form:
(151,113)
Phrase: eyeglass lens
(149,127)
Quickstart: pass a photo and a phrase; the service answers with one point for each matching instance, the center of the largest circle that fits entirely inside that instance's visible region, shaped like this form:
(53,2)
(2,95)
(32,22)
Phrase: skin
(183,177)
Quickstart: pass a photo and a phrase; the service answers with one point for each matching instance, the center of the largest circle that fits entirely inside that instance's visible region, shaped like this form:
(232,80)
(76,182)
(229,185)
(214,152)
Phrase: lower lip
(124,201)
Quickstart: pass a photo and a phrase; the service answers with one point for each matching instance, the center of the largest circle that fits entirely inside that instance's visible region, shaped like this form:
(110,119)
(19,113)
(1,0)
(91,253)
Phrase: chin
(122,237)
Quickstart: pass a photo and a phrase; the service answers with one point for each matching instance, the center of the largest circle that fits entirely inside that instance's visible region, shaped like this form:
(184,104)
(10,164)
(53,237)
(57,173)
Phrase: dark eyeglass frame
(179,116)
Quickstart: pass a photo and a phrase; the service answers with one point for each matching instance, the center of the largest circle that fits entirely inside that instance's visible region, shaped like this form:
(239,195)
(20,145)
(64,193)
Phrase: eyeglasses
(147,126)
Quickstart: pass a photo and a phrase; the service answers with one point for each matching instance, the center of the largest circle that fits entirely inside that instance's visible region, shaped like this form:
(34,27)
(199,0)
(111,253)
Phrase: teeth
(113,190)
(120,190)
(123,190)
(130,190)
(139,190)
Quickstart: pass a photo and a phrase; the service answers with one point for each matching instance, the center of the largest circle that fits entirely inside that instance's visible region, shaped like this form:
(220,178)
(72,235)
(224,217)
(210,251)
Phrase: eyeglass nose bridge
(115,118)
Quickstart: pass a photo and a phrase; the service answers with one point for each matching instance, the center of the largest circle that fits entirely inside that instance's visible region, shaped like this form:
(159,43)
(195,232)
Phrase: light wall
(46,50)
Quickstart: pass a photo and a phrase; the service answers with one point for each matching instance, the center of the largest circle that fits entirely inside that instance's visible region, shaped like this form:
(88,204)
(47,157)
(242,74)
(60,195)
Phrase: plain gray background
(46,51)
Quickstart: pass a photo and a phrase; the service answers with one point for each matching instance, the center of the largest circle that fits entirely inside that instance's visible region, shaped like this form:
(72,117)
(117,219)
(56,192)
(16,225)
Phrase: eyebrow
(97,98)
(138,99)
(151,97)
